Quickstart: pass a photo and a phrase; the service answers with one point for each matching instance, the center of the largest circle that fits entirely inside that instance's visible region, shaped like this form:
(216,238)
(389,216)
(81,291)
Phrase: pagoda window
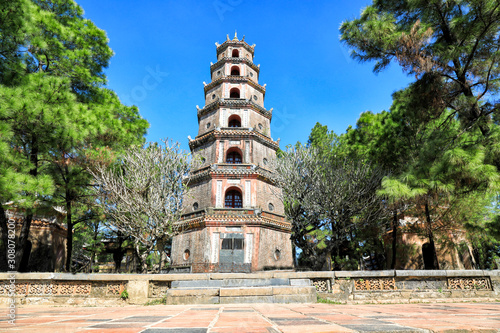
(234,121)
(234,93)
(235,70)
(233,157)
(233,199)
(236,54)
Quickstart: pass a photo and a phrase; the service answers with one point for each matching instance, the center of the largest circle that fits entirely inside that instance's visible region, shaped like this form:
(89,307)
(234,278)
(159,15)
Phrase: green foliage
(439,143)
(124,295)
(57,118)
(436,168)
(159,301)
(450,46)
(331,199)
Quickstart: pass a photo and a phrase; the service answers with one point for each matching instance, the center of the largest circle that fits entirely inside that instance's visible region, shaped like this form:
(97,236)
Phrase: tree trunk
(160,245)
(328,261)
(117,258)
(142,258)
(69,234)
(23,247)
(92,260)
(431,236)
(394,238)
(93,254)
(144,262)
(380,258)
(5,239)
(22,242)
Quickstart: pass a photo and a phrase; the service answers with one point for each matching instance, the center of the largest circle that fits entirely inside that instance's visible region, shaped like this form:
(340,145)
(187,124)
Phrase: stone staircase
(241,290)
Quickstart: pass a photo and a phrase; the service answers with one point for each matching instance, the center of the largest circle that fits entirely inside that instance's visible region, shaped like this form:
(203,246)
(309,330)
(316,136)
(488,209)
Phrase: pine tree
(54,63)
(451,46)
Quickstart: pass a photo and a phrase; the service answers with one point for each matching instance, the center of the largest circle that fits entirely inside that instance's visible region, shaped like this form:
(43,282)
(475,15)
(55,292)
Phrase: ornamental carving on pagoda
(233,220)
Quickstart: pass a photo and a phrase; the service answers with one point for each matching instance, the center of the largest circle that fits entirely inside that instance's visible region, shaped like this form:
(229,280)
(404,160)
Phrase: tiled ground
(256,318)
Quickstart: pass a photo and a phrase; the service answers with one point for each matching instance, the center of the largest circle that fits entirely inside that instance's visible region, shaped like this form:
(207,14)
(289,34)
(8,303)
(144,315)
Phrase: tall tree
(331,200)
(110,126)
(43,40)
(39,112)
(434,164)
(437,174)
(382,140)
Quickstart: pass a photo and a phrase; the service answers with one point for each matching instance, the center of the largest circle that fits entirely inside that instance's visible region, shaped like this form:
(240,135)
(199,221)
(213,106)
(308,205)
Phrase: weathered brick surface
(270,242)
(217,91)
(196,242)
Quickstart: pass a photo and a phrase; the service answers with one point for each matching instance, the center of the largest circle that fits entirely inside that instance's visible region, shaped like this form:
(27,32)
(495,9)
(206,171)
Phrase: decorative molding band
(235,78)
(234,134)
(236,103)
(65,288)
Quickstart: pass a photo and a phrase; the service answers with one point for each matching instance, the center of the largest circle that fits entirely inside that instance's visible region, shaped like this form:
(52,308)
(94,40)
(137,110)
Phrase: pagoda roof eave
(234,132)
(211,218)
(235,78)
(231,42)
(224,60)
(234,102)
(213,171)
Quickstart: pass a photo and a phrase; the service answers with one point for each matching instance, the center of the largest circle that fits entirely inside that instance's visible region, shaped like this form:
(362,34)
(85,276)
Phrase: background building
(46,250)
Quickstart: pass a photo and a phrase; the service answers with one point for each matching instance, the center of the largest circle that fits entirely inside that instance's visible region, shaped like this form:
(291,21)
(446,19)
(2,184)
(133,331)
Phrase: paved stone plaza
(438,317)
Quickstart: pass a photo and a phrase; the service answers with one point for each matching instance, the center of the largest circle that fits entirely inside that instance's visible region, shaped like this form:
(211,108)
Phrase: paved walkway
(254,318)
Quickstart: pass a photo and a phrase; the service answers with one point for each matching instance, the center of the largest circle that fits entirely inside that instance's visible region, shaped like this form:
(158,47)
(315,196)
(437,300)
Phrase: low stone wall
(341,286)
(414,286)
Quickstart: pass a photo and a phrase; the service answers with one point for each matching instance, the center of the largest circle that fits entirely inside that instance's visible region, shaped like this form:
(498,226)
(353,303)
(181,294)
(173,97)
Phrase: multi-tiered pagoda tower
(233,221)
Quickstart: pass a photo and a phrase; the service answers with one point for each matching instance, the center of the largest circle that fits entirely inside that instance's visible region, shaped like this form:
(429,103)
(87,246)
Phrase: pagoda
(233,221)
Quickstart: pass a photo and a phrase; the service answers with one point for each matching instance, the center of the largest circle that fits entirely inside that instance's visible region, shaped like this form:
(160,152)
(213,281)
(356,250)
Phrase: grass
(327,301)
(161,301)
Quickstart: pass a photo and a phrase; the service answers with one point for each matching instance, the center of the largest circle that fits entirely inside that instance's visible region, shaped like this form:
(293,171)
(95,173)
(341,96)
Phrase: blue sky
(163,51)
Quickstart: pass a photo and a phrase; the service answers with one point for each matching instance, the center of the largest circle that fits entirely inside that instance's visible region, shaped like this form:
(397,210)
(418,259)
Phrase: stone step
(229,283)
(419,294)
(424,300)
(224,295)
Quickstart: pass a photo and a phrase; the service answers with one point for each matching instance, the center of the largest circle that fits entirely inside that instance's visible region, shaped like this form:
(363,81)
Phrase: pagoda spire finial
(235,36)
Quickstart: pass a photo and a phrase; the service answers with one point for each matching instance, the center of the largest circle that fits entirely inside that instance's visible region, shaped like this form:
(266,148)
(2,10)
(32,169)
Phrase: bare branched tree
(332,203)
(142,194)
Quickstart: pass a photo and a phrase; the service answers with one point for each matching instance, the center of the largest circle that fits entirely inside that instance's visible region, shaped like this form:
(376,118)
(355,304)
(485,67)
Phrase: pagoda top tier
(234,42)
